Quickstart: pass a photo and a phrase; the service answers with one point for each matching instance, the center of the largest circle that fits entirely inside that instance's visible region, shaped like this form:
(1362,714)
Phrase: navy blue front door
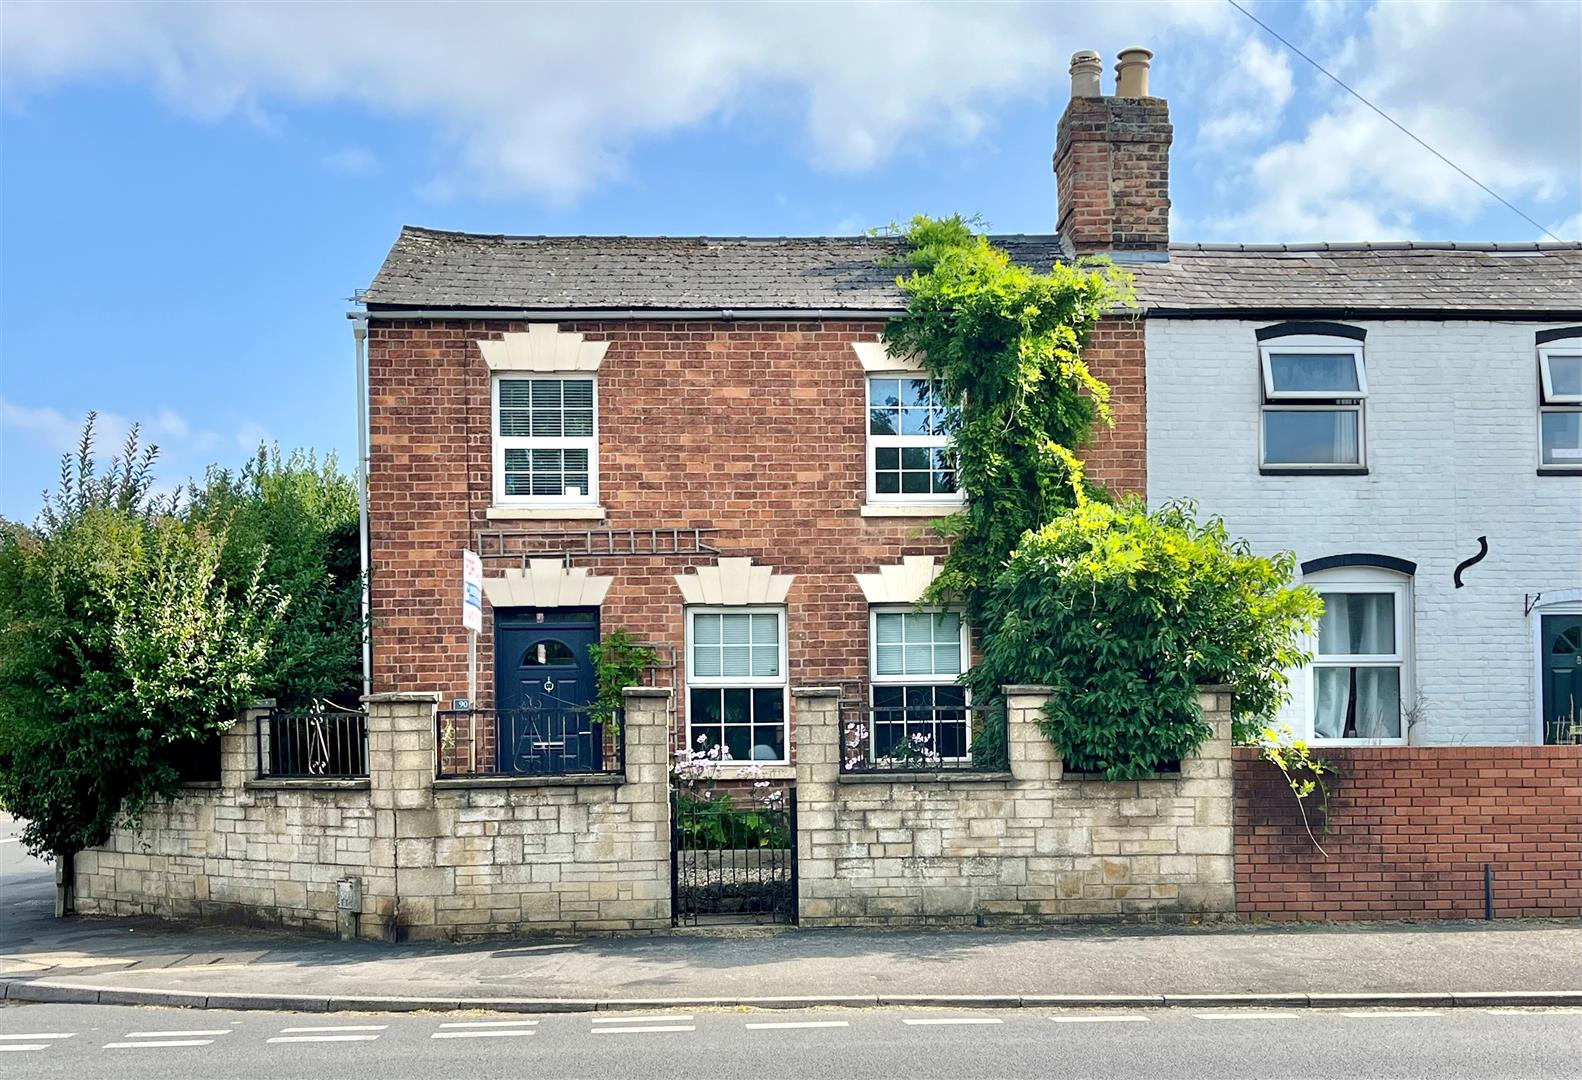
(544,684)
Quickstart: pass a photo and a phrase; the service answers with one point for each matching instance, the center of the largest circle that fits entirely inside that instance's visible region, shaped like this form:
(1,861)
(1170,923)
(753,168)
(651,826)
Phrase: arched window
(1360,686)
(549,653)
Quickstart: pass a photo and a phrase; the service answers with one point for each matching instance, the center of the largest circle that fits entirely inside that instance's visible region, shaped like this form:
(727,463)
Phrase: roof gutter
(625,314)
(1365,314)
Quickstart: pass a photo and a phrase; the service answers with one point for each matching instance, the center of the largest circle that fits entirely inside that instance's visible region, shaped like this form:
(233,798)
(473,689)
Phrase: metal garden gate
(731,862)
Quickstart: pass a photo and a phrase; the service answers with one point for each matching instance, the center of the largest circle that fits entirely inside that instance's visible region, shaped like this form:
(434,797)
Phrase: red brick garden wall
(756,430)
(1409,830)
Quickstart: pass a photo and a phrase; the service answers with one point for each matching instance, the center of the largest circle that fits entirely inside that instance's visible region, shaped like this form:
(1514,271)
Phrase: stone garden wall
(433,859)
(1031,845)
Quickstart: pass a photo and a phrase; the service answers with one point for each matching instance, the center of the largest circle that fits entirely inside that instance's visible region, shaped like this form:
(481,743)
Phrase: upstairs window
(909,455)
(1313,392)
(1560,404)
(545,441)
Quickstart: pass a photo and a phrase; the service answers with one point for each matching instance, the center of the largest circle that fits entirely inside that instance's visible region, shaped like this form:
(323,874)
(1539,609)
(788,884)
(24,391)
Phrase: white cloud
(547,98)
(1493,87)
(1251,100)
(1569,229)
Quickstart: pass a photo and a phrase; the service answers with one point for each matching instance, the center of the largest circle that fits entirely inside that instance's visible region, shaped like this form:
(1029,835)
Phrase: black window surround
(1313,329)
(1543,337)
(1360,558)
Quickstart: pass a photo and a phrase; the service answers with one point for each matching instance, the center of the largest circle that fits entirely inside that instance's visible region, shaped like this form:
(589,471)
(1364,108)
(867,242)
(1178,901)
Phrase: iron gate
(732,862)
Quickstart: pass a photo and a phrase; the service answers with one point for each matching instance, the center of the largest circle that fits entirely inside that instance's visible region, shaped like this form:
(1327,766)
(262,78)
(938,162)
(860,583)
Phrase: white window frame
(902,442)
(1359,579)
(875,679)
(1563,347)
(1313,400)
(501,443)
(1550,402)
(750,682)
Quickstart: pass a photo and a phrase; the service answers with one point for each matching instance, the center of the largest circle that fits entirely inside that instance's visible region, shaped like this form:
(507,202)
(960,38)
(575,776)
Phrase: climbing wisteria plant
(1122,610)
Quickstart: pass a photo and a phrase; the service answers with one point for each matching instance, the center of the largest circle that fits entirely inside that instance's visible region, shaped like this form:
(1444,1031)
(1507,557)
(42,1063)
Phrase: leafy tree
(119,643)
(1121,610)
(297,515)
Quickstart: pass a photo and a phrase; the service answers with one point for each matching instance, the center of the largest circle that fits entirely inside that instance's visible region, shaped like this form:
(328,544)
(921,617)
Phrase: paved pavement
(1135,960)
(69,1042)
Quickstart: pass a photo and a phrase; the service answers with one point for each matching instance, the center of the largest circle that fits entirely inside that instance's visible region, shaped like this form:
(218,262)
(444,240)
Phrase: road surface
(82,1042)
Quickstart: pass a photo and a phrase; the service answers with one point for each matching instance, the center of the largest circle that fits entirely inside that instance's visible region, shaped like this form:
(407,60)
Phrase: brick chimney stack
(1112,161)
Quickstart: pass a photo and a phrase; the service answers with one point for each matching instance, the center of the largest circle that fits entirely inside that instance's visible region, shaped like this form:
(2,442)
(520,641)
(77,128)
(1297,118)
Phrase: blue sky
(190,194)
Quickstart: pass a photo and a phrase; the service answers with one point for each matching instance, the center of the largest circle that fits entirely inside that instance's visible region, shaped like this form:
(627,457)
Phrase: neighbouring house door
(1560,638)
(544,684)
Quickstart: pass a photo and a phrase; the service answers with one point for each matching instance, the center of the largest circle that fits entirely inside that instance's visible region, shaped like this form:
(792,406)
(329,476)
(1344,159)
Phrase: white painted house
(1407,419)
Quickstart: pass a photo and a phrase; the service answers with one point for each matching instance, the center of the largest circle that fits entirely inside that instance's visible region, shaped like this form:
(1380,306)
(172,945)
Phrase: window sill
(938,776)
(1279,470)
(327,783)
(909,510)
(463,783)
(545,513)
(1560,470)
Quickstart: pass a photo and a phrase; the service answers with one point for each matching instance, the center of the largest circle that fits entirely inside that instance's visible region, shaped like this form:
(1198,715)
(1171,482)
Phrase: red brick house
(699,440)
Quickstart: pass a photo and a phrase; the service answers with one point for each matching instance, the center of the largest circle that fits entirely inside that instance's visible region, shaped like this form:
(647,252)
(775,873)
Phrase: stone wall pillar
(647,730)
(819,745)
(401,766)
(1207,778)
(1033,757)
(239,746)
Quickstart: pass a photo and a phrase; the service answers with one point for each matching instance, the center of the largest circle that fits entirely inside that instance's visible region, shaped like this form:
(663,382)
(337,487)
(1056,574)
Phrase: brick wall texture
(1112,174)
(754,430)
(1409,830)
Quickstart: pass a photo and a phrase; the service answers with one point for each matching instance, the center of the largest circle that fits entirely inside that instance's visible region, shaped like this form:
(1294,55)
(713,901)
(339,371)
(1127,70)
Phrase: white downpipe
(360,335)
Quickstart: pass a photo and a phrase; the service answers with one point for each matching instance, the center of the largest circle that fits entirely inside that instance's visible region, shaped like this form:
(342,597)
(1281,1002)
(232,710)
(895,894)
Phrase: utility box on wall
(348,906)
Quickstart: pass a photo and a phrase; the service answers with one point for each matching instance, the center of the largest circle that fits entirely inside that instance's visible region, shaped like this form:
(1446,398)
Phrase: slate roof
(467,271)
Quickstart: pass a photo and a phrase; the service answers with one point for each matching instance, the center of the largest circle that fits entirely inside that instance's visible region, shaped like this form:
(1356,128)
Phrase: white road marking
(1099,1019)
(332,1027)
(23,1046)
(321,1038)
(41,1035)
(1372,1015)
(175,1034)
(636,1019)
(1247,1016)
(148,1043)
(798,1024)
(495,1033)
(486,1023)
(635,1030)
(955,1020)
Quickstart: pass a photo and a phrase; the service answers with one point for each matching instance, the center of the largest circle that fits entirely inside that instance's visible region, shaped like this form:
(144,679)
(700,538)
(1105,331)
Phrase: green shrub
(1124,613)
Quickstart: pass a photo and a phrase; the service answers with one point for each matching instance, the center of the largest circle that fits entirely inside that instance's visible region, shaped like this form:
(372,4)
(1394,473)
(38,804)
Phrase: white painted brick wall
(1452,453)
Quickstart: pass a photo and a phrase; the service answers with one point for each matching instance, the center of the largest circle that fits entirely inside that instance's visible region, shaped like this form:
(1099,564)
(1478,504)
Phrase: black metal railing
(329,745)
(527,742)
(733,855)
(922,738)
